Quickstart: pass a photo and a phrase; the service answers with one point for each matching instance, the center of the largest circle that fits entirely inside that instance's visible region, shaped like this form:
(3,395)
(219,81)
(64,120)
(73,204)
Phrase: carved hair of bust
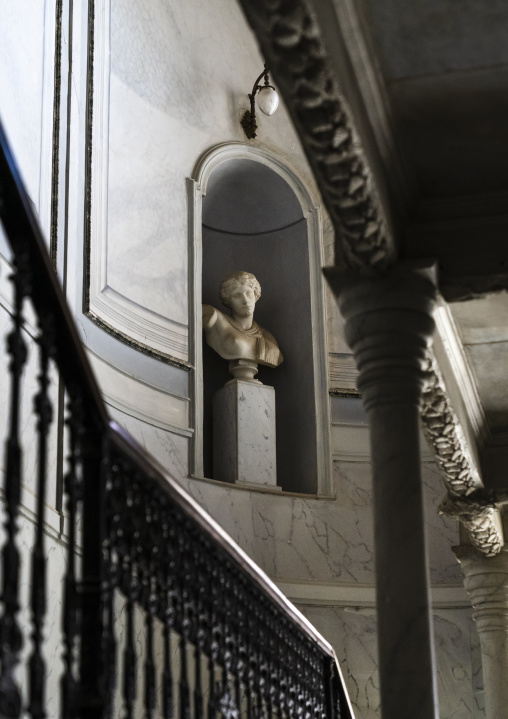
(232,281)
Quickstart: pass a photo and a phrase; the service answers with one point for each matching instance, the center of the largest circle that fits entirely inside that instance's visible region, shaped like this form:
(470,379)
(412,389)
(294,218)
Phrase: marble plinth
(244,434)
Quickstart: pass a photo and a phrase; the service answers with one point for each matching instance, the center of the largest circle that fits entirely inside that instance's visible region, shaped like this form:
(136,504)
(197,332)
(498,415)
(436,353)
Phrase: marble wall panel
(352,632)
(303,538)
(442,532)
(170,449)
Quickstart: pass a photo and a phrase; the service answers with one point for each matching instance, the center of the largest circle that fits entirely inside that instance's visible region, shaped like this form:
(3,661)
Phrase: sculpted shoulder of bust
(238,336)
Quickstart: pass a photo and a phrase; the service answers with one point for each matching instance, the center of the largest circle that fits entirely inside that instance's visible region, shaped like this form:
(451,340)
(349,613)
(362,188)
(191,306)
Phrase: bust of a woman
(237,336)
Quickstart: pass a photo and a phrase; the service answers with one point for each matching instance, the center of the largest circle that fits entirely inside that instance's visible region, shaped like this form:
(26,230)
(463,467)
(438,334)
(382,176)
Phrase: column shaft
(388,327)
(404,624)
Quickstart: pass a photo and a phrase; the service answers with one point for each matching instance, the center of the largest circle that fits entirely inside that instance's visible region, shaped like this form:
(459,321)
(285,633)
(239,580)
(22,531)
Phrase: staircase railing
(162,614)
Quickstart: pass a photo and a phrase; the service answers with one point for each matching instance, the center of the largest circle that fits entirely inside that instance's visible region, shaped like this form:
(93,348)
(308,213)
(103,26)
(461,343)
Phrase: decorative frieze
(466,499)
(444,433)
(480,516)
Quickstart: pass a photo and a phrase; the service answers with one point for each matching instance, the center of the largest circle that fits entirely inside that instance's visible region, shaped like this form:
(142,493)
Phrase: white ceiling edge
(460,381)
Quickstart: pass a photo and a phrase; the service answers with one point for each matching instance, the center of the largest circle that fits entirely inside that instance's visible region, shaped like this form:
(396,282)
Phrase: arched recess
(304,449)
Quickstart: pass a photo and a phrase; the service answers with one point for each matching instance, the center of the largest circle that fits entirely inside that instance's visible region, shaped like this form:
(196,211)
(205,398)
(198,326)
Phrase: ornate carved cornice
(291,43)
(480,516)
(466,500)
(444,433)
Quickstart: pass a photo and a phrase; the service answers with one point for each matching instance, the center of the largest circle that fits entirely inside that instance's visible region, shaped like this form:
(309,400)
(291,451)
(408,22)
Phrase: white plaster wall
(27,30)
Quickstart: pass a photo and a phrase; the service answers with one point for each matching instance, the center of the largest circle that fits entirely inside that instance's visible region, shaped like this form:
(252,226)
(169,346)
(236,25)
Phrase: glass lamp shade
(268,100)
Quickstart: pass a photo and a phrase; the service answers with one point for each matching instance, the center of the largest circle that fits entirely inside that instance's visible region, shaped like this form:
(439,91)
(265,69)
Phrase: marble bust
(237,336)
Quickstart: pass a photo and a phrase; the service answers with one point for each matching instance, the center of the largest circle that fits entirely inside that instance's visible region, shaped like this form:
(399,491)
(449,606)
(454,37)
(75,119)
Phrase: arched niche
(249,211)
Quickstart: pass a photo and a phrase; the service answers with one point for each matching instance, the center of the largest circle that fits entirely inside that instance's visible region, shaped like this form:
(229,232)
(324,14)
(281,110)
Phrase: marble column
(388,326)
(486,582)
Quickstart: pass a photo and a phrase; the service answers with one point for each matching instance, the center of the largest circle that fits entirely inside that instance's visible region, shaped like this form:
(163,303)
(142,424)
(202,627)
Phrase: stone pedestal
(244,434)
(388,326)
(486,582)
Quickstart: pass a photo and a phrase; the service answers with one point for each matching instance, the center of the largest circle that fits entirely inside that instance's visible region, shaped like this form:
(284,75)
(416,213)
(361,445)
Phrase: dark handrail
(104,457)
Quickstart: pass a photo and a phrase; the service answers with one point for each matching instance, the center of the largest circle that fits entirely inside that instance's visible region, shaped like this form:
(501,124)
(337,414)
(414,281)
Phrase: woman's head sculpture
(229,283)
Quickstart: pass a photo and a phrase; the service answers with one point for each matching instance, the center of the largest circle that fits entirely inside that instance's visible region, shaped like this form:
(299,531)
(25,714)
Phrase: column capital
(388,326)
(486,582)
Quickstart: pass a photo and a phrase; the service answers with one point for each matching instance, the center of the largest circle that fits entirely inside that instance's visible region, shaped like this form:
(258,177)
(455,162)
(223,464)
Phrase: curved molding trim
(138,326)
(196,189)
(141,400)
(360,596)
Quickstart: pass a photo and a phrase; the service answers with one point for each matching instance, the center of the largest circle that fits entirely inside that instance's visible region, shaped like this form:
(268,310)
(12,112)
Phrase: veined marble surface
(170,449)
(326,540)
(244,433)
(352,632)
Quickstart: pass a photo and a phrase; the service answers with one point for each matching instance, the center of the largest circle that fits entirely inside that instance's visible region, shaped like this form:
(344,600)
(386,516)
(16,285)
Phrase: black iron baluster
(198,691)
(183,617)
(252,695)
(198,626)
(149,661)
(167,675)
(10,632)
(299,683)
(91,700)
(291,691)
(129,679)
(167,685)
(236,634)
(44,412)
(111,576)
(262,663)
(184,681)
(213,637)
(151,544)
(74,492)
(130,574)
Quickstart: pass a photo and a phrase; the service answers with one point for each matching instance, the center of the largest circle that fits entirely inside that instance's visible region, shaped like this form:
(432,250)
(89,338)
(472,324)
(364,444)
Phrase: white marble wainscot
(293,536)
(442,532)
(352,632)
(298,537)
(169,448)
(244,433)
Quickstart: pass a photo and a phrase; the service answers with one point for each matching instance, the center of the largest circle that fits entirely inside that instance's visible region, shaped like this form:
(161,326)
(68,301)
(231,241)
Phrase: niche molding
(128,321)
(196,191)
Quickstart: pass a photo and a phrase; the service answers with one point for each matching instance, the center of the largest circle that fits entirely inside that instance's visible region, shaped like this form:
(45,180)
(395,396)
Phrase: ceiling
(441,70)
(444,64)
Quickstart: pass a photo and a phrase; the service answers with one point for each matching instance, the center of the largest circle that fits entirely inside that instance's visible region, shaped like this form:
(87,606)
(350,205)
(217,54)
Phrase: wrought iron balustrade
(162,614)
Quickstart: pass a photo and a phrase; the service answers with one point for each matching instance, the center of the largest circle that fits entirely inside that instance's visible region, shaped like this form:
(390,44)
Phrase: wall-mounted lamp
(268,102)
